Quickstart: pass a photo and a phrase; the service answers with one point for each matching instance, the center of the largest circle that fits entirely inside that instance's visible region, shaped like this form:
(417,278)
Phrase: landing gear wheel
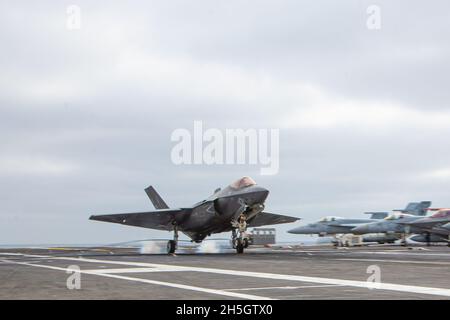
(171,246)
(239,246)
(428,238)
(239,238)
(233,238)
(403,240)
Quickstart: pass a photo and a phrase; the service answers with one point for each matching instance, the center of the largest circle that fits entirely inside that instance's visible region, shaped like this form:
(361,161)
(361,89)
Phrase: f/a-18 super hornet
(336,225)
(428,229)
(236,207)
(332,225)
(394,222)
(391,225)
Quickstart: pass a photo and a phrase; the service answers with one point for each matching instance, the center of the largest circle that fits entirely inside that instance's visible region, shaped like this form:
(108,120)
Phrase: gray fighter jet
(335,225)
(393,224)
(427,229)
(238,206)
(332,225)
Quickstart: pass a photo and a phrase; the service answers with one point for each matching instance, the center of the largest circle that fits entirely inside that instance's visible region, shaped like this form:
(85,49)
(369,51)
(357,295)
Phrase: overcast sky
(86,114)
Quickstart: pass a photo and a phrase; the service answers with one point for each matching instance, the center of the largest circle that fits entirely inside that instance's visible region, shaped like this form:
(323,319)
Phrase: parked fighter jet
(427,229)
(391,225)
(238,206)
(335,225)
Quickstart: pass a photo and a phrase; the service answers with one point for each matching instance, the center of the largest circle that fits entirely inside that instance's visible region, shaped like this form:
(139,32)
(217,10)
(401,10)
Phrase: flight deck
(322,272)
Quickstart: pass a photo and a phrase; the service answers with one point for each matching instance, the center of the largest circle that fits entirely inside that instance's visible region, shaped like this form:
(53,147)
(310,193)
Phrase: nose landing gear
(239,238)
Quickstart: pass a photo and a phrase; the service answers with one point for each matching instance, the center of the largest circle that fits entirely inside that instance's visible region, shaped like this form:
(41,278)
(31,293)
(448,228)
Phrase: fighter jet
(391,225)
(236,207)
(427,229)
(335,225)
(332,225)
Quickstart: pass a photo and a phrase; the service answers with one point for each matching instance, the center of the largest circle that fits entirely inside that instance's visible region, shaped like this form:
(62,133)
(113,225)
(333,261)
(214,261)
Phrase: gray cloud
(86,115)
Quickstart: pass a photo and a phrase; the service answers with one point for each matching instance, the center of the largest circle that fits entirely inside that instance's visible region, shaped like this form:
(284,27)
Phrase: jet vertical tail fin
(417,208)
(422,208)
(155,198)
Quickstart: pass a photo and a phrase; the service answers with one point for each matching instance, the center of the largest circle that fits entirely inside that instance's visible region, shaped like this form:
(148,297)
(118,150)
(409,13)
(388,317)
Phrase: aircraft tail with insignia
(416,208)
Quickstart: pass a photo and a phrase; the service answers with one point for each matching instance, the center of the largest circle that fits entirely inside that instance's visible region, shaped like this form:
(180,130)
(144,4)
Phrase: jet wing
(441,230)
(266,218)
(159,219)
(425,223)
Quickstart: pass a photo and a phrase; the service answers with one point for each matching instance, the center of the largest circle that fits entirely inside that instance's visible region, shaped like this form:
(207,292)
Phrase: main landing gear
(239,238)
(428,239)
(403,241)
(404,236)
(173,244)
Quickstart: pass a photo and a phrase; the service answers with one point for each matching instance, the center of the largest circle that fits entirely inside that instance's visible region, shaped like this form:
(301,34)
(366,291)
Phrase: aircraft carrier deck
(261,273)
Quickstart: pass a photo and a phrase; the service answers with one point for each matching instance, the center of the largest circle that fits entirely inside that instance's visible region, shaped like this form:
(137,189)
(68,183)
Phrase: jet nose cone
(300,230)
(260,194)
(264,194)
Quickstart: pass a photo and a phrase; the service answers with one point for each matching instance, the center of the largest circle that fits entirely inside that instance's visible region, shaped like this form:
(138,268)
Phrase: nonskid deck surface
(380,272)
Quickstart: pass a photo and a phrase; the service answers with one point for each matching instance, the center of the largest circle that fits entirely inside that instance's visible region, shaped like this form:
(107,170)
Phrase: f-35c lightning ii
(236,207)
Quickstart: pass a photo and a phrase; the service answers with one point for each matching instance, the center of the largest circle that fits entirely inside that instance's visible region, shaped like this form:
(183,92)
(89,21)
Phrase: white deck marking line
(23,254)
(352,283)
(396,261)
(287,287)
(405,253)
(132,270)
(161,283)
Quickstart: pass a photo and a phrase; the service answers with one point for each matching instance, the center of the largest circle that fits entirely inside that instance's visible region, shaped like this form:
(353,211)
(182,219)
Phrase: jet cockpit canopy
(244,182)
(329,219)
(397,216)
